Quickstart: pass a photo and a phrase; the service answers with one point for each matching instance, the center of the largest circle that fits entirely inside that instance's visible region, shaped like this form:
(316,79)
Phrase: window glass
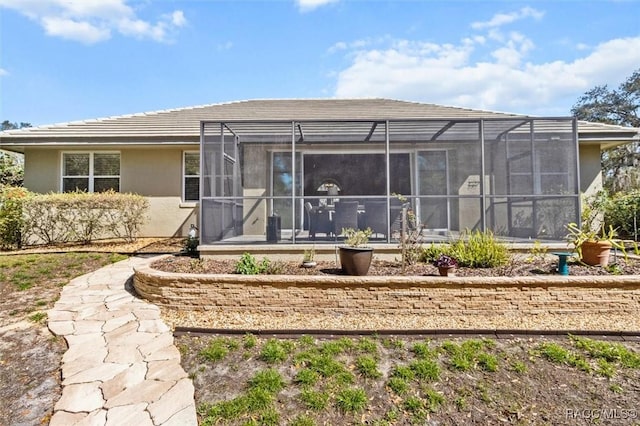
(191,189)
(191,176)
(191,164)
(76,165)
(106,184)
(75,184)
(106,164)
(90,172)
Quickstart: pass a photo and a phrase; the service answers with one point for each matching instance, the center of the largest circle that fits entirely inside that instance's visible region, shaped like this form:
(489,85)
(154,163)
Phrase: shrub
(472,249)
(80,216)
(248,265)
(11,221)
(623,213)
(479,250)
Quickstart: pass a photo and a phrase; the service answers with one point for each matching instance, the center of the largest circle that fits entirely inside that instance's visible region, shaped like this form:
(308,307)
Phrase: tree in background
(620,165)
(11,164)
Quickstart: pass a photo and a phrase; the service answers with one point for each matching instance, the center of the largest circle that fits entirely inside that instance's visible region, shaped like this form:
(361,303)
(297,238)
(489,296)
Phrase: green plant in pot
(593,247)
(355,256)
(308,258)
(592,240)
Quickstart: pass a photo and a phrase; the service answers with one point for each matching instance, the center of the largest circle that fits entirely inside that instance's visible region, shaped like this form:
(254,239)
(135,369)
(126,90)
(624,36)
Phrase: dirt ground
(30,354)
(525,389)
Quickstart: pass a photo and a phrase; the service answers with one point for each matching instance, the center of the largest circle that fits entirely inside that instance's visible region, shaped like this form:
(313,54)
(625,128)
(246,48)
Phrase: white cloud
(178,19)
(503,80)
(93,21)
(501,19)
(3,72)
(73,30)
(309,5)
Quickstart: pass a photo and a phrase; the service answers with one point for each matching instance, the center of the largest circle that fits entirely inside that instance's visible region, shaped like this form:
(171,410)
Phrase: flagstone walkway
(121,367)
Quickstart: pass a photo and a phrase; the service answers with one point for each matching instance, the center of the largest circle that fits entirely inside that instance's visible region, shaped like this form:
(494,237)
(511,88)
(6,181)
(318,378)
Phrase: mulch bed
(519,265)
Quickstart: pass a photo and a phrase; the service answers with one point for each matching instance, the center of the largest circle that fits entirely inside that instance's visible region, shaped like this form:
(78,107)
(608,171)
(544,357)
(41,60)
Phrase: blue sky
(65,60)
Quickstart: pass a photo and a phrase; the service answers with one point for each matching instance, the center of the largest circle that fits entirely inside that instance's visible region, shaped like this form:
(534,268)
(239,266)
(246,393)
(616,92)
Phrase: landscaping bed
(520,264)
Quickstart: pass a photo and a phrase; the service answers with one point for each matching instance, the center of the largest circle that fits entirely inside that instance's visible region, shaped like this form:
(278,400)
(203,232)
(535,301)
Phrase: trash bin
(273,229)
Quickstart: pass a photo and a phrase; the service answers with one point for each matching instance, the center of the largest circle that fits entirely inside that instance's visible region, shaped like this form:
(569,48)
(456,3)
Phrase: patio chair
(375,215)
(345,216)
(319,221)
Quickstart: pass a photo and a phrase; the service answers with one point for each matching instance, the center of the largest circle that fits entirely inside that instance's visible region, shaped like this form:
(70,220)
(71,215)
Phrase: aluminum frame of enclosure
(518,177)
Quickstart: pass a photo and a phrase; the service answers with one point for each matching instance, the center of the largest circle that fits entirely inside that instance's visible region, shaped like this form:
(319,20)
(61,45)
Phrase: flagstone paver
(121,366)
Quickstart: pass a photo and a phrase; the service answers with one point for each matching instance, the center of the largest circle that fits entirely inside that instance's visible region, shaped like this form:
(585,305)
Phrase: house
(300,170)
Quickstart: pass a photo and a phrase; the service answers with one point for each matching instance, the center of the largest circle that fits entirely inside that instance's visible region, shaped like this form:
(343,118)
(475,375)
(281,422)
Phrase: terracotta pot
(356,260)
(447,271)
(596,253)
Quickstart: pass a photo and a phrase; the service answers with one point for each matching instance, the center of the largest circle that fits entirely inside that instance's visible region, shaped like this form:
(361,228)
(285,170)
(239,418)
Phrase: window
(90,171)
(191,173)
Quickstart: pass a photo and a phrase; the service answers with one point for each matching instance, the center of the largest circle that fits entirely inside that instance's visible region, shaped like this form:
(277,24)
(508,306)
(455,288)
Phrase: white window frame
(185,176)
(91,175)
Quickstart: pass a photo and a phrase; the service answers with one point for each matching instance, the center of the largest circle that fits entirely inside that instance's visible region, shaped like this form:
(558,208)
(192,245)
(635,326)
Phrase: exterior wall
(256,183)
(152,172)
(169,217)
(590,169)
(433,296)
(42,170)
(155,173)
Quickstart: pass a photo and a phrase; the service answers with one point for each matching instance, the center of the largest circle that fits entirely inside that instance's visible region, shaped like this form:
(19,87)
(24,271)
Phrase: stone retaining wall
(391,295)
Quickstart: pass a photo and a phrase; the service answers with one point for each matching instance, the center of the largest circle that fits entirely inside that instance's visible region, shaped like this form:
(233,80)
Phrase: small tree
(11,164)
(11,218)
(11,169)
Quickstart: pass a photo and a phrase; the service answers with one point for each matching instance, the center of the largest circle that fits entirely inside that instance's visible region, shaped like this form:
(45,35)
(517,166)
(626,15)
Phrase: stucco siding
(42,170)
(152,172)
(590,169)
(169,218)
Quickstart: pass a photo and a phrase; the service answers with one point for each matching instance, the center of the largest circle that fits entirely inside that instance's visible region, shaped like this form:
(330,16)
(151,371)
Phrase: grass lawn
(32,282)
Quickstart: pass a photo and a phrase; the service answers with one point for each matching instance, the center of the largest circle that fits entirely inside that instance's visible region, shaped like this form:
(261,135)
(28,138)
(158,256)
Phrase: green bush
(11,221)
(249,265)
(472,249)
(623,213)
(80,216)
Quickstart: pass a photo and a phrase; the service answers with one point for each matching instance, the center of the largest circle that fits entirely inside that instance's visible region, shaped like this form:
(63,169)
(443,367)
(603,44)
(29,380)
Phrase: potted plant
(593,247)
(355,257)
(446,265)
(593,240)
(308,258)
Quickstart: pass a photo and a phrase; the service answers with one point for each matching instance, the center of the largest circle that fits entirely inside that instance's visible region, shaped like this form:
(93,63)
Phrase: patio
(301,182)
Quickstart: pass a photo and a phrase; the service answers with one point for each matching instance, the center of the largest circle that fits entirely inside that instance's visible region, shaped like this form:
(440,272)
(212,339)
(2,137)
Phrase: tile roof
(183,124)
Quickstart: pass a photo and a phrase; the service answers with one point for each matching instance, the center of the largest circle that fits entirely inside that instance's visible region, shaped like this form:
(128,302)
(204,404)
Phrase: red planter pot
(596,253)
